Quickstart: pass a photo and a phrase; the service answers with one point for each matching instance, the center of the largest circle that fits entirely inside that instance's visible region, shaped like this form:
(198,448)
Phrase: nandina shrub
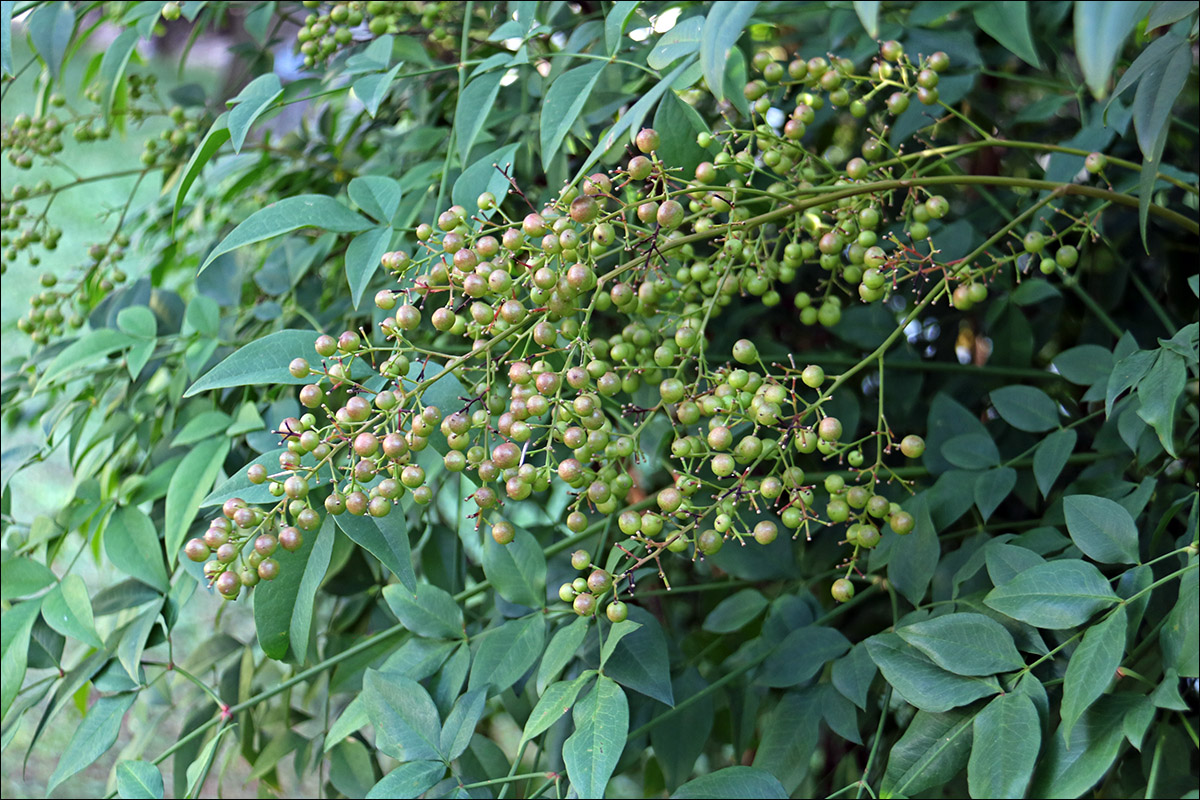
(731,399)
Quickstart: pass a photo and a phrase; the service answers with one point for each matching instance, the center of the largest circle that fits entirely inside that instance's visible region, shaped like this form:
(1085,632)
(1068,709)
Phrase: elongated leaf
(279,603)
(735,783)
(680,41)
(1007,737)
(679,744)
(634,115)
(431,612)
(88,348)
(911,567)
(601,725)
(363,257)
(1007,561)
(133,641)
(460,723)
(377,195)
(932,750)
(1084,365)
(921,682)
(506,653)
(22,576)
(95,734)
(1026,408)
(1158,392)
(556,701)
(113,64)
(1101,28)
(517,570)
(411,779)
(868,15)
(6,11)
(406,721)
(789,734)
(971,451)
(1102,529)
(1092,668)
(50,30)
(287,215)
(965,644)
(735,612)
(992,487)
(1008,23)
(485,175)
(191,481)
(722,28)
(1069,771)
(1054,595)
(1050,458)
(562,648)
(386,538)
(249,105)
(261,362)
(802,655)
(615,22)
(565,99)
(640,661)
(14,649)
(139,779)
(132,545)
(471,114)
(1126,374)
(853,673)
(217,136)
(1180,635)
(372,89)
(68,610)
(616,633)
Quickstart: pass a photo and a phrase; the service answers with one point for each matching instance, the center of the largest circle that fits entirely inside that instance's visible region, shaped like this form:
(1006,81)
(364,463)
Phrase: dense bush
(704,399)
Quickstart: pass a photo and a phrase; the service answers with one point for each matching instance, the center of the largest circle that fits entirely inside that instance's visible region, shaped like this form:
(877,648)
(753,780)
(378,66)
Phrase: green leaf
(680,41)
(678,745)
(1007,737)
(88,348)
(372,89)
(562,648)
(921,682)
(14,649)
(614,25)
(1092,668)
(992,487)
(616,632)
(133,640)
(280,606)
(411,779)
(260,362)
(965,644)
(197,771)
(139,779)
(1069,771)
(406,721)
(1102,529)
(386,538)
(802,654)
(1084,365)
(461,722)
(601,725)
(735,612)
(933,749)
(640,662)
(96,733)
(1008,24)
(21,577)
(190,482)
(911,566)
(633,116)
(1126,373)
(722,28)
(132,545)
(556,701)
(507,652)
(204,425)
(377,195)
(1101,28)
(1007,561)
(1167,12)
(1180,637)
(853,673)
(868,15)
(113,64)
(431,612)
(517,570)
(971,451)
(1026,408)
(1051,456)
(564,100)
(68,610)
(474,105)
(1156,94)
(6,10)
(1055,595)
(734,783)
(790,732)
(216,137)
(249,105)
(485,175)
(1158,392)
(363,256)
(353,718)
(287,215)
(50,29)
